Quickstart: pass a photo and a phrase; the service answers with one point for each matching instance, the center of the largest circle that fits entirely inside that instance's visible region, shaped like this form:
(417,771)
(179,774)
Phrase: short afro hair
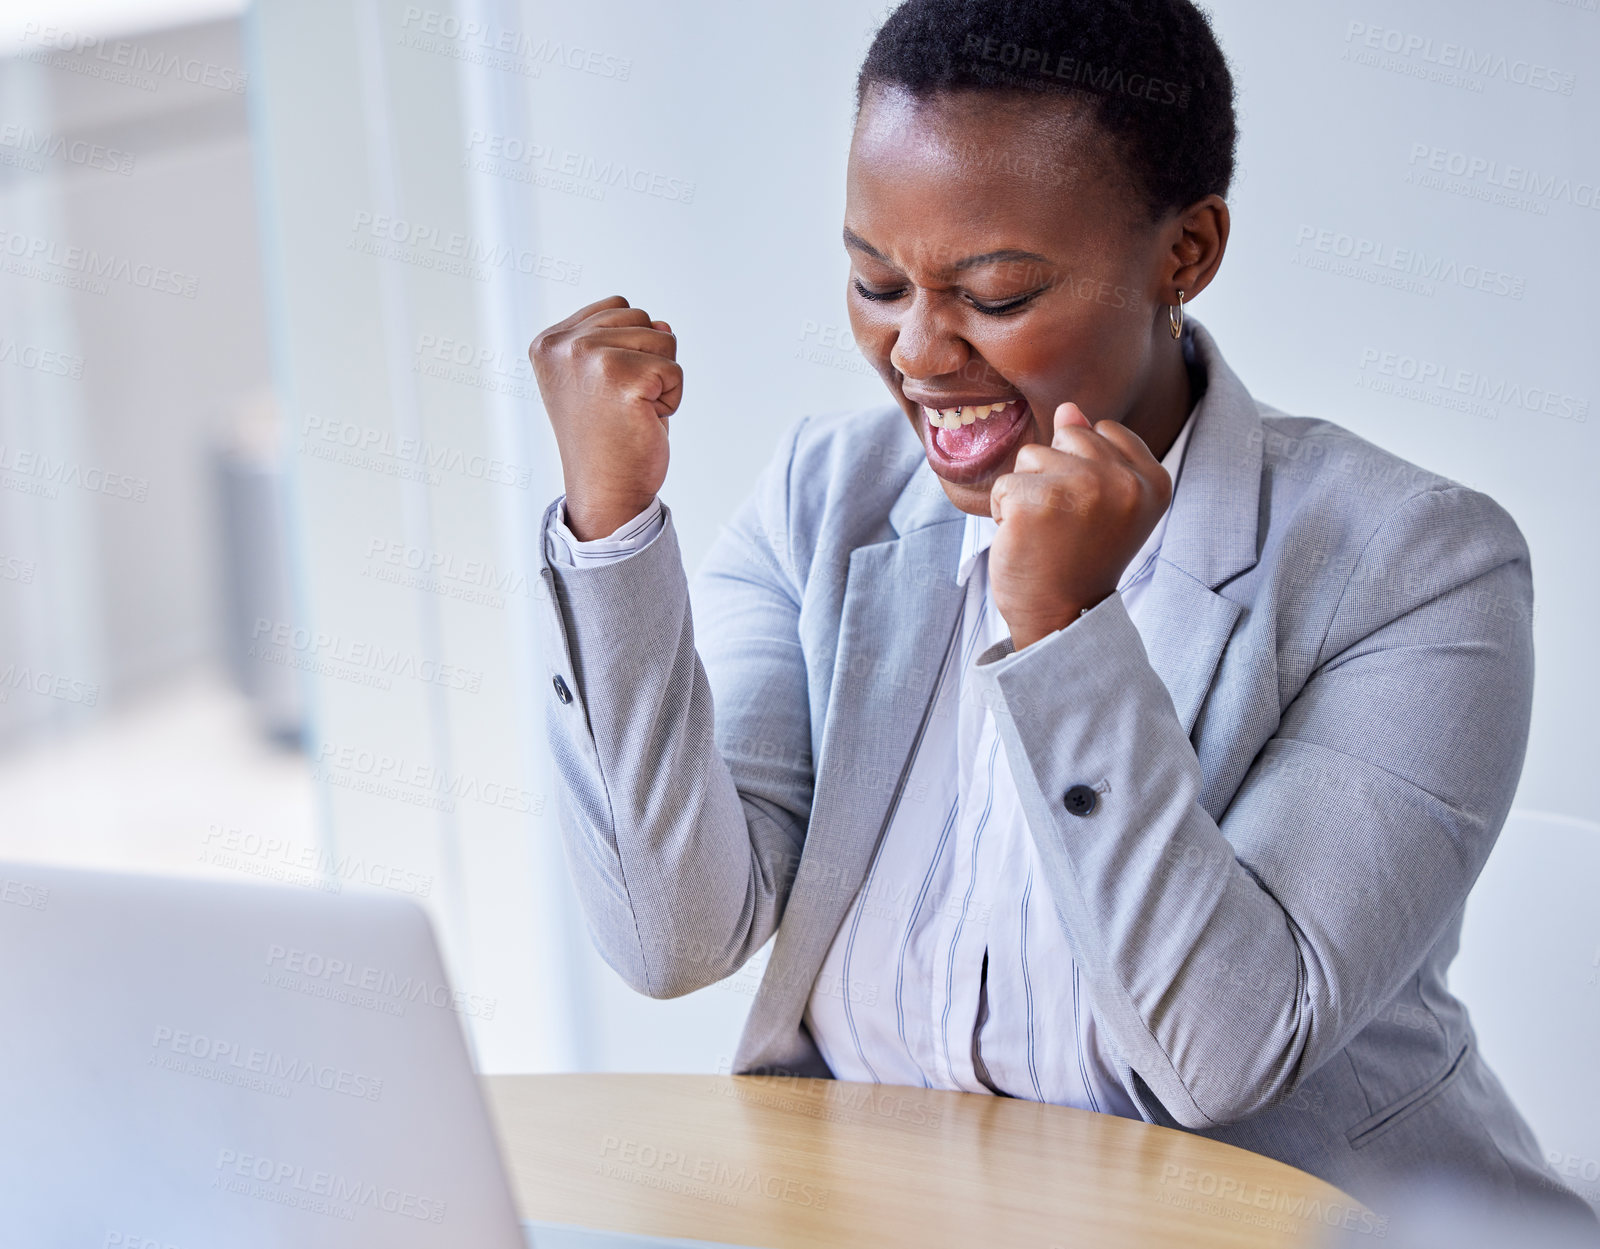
(1150,72)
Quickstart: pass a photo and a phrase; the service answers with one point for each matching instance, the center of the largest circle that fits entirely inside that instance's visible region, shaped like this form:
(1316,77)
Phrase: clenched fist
(1071,517)
(610,378)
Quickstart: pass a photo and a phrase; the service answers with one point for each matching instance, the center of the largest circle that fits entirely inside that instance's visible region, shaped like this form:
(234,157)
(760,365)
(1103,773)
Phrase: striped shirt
(950,969)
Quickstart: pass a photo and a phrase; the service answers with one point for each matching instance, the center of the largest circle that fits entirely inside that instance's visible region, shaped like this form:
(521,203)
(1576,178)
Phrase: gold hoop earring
(1175,316)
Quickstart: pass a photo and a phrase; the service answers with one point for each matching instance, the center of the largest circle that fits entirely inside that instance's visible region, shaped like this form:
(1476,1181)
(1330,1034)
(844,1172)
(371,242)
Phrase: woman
(1111,739)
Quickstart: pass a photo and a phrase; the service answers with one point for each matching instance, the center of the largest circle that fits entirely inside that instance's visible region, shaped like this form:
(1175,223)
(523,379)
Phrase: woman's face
(999,258)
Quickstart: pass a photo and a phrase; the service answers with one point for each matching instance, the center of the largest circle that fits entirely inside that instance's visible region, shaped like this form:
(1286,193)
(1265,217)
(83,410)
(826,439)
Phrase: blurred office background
(272,460)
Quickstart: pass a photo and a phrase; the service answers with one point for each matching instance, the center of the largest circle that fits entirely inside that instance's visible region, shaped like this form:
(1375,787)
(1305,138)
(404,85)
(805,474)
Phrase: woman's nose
(925,345)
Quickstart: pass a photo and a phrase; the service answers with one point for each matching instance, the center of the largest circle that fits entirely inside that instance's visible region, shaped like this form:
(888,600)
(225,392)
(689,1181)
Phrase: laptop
(187,1063)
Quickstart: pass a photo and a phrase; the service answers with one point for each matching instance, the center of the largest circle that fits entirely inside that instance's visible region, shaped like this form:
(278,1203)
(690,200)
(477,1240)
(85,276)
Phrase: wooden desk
(792,1164)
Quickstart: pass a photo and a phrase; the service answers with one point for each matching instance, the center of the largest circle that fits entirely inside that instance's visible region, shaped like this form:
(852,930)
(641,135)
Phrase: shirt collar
(980,530)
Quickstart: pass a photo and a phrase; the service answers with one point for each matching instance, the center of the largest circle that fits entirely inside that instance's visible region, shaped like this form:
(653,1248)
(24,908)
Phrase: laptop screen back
(186,1063)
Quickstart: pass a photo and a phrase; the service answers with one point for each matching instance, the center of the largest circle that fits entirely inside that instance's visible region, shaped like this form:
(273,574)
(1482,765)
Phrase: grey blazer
(1302,763)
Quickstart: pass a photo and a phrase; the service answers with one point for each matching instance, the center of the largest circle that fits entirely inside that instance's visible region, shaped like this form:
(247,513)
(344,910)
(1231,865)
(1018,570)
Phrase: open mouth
(967,443)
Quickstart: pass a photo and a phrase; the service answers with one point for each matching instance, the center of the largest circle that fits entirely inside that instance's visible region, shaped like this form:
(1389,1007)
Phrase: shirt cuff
(631,536)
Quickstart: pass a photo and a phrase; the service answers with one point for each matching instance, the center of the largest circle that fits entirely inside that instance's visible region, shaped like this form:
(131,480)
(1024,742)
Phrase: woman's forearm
(682,856)
(1229,957)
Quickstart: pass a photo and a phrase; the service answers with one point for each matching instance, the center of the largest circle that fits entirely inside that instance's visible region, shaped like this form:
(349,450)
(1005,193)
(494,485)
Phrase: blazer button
(565,695)
(1080,799)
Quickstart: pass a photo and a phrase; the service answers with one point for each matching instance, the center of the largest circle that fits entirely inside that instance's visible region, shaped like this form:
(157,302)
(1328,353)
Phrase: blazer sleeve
(684,775)
(1228,960)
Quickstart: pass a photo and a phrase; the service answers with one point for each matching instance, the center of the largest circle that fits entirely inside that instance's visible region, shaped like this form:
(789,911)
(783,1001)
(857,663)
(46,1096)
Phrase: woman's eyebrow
(1010,255)
(852,239)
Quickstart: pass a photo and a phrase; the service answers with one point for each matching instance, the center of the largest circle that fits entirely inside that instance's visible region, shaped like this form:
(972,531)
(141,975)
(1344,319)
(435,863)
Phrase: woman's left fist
(1071,517)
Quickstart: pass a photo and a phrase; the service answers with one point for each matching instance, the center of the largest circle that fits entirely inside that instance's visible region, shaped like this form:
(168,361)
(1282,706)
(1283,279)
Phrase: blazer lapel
(901,606)
(1210,537)
(1185,630)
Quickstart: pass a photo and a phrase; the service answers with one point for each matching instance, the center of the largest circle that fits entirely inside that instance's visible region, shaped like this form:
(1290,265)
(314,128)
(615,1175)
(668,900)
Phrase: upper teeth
(949,418)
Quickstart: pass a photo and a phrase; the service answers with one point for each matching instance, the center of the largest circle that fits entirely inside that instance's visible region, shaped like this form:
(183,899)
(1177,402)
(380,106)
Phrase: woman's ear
(1198,237)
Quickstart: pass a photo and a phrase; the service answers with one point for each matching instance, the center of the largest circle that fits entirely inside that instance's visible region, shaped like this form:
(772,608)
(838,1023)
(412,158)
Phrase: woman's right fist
(609,377)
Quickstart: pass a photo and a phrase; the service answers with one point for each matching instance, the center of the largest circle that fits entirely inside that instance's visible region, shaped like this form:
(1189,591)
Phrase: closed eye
(866,292)
(1000,309)
(994,310)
